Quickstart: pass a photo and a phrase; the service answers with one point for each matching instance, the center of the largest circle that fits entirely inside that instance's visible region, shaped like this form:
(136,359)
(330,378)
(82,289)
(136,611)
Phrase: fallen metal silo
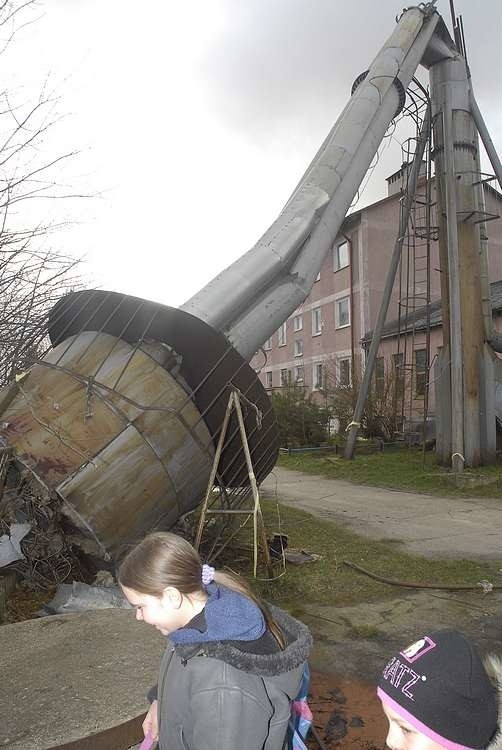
(120,417)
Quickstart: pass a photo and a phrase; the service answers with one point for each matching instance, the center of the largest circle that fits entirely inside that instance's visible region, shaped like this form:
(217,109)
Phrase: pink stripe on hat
(404,714)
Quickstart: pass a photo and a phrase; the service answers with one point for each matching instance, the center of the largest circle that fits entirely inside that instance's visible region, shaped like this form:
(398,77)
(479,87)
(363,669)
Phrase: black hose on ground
(413,585)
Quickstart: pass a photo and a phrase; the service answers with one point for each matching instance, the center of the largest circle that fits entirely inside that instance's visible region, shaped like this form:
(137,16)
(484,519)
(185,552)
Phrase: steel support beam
(457,408)
(492,336)
(485,137)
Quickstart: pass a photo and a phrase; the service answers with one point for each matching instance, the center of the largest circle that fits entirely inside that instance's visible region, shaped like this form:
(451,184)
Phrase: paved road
(427,525)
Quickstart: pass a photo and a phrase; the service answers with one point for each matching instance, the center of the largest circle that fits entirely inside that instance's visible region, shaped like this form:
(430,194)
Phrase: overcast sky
(196,120)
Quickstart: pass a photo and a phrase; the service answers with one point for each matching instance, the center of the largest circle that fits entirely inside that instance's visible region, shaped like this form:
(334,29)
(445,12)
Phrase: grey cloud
(292,62)
(278,60)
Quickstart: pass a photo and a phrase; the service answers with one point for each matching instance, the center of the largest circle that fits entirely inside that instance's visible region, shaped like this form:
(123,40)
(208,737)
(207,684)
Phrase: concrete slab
(69,676)
(435,527)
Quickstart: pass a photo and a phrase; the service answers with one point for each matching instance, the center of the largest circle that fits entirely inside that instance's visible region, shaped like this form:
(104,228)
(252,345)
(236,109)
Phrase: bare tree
(32,274)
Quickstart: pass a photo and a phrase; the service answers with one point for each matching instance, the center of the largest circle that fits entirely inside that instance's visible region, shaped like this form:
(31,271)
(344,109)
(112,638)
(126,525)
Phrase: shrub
(301,421)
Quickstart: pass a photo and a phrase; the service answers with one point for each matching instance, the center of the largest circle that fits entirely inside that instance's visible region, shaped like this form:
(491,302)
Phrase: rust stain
(49,465)
(15,425)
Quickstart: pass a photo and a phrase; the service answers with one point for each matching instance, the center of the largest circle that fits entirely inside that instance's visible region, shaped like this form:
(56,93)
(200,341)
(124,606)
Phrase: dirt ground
(345,668)
(347,714)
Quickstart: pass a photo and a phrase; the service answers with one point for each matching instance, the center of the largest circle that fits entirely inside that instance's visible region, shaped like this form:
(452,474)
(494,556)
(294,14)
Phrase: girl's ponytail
(236,583)
(164,559)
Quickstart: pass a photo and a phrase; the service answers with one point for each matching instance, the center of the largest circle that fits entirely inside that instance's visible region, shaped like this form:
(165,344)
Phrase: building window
(318,376)
(285,377)
(420,371)
(316,321)
(342,312)
(344,371)
(297,323)
(298,348)
(282,335)
(318,277)
(341,256)
(268,344)
(398,369)
(379,376)
(299,374)
(268,379)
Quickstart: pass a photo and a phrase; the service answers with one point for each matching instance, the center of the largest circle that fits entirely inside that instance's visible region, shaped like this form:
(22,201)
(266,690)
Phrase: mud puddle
(347,713)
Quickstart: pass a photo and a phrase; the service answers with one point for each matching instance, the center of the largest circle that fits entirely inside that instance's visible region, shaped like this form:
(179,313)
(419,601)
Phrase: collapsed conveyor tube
(289,290)
(253,296)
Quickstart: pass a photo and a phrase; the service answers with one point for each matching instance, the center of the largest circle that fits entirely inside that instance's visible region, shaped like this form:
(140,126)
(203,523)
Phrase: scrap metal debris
(79,597)
(300,556)
(10,543)
(33,542)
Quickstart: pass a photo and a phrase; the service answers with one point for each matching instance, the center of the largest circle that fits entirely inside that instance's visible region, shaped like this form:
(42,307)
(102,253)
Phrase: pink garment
(301,708)
(147,742)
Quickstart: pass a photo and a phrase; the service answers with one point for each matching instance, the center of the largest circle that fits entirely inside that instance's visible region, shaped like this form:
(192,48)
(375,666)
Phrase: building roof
(418,320)
(351,217)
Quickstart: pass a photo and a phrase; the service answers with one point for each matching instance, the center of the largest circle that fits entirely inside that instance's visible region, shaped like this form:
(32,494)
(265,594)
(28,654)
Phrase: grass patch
(329,582)
(364,632)
(401,469)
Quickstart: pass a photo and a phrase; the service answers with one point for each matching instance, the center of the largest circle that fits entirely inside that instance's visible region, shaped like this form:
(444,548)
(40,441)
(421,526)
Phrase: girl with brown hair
(232,665)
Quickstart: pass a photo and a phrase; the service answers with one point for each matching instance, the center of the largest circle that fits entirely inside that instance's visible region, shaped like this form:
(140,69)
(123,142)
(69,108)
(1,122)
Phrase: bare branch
(32,275)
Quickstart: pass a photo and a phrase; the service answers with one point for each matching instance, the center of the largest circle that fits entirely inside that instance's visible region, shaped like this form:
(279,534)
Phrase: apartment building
(331,326)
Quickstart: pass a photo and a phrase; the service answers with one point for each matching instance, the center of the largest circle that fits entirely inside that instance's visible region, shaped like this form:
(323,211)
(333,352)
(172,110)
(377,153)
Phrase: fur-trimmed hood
(297,636)
(493,665)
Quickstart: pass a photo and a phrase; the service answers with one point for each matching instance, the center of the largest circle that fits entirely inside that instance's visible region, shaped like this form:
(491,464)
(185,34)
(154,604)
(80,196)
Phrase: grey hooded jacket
(222,696)
(493,666)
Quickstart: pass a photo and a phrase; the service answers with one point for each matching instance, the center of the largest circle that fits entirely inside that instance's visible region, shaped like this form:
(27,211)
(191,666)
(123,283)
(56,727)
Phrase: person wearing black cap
(436,694)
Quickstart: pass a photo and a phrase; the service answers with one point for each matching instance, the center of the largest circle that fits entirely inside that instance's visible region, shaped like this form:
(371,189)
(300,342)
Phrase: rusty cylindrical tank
(121,416)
